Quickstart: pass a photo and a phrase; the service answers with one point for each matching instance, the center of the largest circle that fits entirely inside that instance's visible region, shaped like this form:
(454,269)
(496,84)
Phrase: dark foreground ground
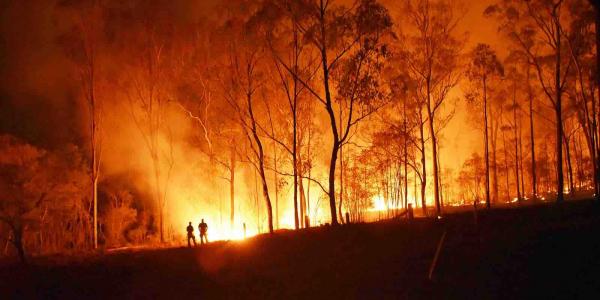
(541,252)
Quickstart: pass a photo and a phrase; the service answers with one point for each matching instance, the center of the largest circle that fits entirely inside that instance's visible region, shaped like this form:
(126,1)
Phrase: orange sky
(460,139)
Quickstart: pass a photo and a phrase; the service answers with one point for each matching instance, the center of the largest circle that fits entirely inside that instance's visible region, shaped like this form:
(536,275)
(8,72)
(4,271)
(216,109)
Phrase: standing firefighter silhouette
(190,234)
(203,228)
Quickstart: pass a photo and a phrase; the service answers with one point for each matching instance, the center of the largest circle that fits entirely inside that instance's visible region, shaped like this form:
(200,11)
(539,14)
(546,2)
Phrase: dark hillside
(541,251)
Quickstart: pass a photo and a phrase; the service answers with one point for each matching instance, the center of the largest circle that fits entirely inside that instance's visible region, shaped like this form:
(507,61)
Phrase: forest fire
(135,123)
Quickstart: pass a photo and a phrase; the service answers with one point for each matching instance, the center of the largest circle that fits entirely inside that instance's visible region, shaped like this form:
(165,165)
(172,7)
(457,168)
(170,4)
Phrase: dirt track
(541,251)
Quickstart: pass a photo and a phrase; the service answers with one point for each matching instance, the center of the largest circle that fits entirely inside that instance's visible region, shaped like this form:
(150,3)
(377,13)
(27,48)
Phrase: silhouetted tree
(243,86)
(484,65)
(350,43)
(82,46)
(538,28)
(432,49)
(281,19)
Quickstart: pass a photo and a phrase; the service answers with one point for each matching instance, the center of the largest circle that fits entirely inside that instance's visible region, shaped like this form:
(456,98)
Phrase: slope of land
(540,251)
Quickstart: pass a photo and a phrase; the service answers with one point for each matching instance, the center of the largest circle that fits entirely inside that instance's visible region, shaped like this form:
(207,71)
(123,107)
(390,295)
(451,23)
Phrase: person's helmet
(202,220)
(190,223)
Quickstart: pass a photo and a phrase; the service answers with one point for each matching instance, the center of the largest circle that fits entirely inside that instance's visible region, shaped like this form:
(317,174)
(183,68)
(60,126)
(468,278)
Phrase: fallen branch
(436,256)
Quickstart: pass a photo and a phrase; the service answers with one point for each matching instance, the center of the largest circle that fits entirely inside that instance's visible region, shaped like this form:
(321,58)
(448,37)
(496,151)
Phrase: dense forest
(121,121)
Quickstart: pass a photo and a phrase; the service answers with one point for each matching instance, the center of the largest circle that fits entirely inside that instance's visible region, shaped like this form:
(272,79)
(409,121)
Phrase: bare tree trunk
(398,186)
(295,165)
(423,167)
(596,156)
(569,166)
(95,157)
(256,204)
(558,109)
(332,164)
(88,78)
(265,191)
(95,197)
(486,141)
(261,162)
(405,155)
(302,204)
(436,179)
(493,142)
(415,189)
(521,157)
(18,242)
(441,184)
(590,136)
(329,107)
(309,172)
(276,187)
(405,180)
(577,148)
(506,168)
(515,124)
(335,147)
(534,190)
(341,182)
(232,186)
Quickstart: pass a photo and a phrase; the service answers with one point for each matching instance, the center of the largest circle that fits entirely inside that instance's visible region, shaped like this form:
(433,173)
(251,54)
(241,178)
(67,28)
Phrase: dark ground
(543,252)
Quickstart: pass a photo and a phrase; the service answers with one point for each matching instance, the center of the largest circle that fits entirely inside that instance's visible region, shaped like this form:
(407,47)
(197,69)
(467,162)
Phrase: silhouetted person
(203,227)
(347,218)
(244,230)
(190,233)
